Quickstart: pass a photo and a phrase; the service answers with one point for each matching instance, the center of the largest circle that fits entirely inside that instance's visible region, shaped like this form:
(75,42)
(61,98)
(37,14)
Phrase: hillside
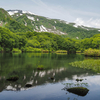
(8,22)
(22,21)
(43,24)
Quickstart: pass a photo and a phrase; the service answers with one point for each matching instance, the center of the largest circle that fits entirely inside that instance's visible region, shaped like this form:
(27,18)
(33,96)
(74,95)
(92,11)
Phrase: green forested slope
(23,22)
(55,26)
(8,22)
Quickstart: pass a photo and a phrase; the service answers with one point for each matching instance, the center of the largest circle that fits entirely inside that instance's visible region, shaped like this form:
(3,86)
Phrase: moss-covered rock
(81,91)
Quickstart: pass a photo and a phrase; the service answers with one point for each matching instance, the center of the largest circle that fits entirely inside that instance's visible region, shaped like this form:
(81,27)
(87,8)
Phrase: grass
(88,64)
(92,52)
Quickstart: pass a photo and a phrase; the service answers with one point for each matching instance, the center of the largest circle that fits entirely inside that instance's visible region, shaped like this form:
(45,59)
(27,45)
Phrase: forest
(38,41)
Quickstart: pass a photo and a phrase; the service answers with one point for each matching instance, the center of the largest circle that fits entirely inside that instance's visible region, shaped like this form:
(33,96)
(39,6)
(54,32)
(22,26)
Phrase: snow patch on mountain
(62,33)
(31,18)
(55,21)
(67,23)
(25,23)
(21,14)
(36,27)
(54,27)
(37,19)
(75,25)
(43,29)
(12,12)
(77,37)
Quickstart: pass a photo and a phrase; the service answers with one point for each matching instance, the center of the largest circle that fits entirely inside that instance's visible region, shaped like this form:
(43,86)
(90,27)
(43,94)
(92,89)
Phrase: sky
(82,12)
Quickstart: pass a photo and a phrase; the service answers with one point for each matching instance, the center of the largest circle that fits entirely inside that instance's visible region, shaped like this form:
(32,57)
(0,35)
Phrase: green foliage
(33,43)
(14,26)
(16,50)
(93,42)
(7,38)
(31,49)
(92,52)
(61,51)
(70,45)
(4,16)
(71,31)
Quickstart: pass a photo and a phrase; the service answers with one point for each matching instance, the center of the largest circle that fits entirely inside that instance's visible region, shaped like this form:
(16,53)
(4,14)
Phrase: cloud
(89,23)
(52,11)
(45,6)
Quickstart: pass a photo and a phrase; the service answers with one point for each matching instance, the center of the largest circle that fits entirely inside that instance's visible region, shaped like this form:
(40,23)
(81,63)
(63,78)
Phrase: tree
(7,40)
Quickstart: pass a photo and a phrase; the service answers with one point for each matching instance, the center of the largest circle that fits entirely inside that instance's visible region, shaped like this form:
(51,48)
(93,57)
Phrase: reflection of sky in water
(54,91)
(44,88)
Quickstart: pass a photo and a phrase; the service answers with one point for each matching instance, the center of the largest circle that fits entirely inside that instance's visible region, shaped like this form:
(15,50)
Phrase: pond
(43,87)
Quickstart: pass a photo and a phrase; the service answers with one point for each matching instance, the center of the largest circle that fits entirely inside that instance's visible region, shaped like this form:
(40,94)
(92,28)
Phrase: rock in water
(81,91)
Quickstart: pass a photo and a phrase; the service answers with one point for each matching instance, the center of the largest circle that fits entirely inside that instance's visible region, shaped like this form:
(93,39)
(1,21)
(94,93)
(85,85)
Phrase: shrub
(16,50)
(92,52)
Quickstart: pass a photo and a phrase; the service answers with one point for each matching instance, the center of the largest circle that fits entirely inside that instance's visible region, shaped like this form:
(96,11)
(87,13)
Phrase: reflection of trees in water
(25,66)
(36,78)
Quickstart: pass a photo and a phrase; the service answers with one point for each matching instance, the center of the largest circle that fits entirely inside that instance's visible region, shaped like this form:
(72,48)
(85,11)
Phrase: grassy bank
(88,64)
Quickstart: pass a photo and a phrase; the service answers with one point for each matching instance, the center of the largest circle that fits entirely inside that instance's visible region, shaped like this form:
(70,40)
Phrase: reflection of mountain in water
(36,78)
(25,64)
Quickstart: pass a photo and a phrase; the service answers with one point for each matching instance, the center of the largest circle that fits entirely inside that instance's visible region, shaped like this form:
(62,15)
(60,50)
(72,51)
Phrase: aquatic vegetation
(78,84)
(87,64)
(92,52)
(40,67)
(78,88)
(79,80)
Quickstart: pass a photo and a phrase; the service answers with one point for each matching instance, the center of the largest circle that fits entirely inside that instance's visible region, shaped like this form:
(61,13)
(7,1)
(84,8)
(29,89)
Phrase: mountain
(61,27)
(8,22)
(23,21)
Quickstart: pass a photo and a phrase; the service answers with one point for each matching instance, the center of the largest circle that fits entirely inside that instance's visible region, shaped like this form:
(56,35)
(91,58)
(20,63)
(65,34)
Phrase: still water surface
(43,88)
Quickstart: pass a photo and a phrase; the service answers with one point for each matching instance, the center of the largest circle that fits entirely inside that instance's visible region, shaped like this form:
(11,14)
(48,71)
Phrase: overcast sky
(82,12)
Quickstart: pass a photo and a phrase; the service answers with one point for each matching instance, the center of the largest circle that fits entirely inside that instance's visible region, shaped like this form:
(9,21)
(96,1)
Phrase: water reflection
(35,78)
(56,66)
